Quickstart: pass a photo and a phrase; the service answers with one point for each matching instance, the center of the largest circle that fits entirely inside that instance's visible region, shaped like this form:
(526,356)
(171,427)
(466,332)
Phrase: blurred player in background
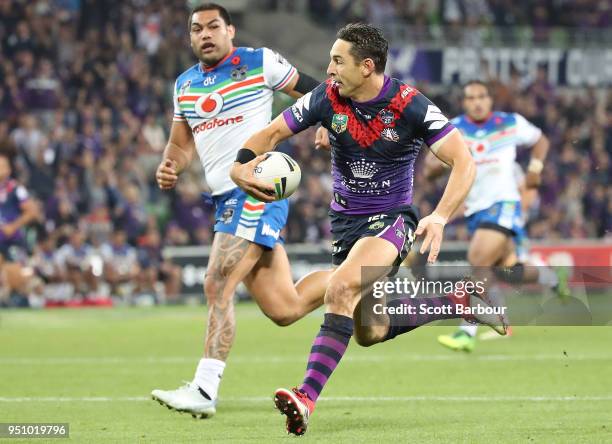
(17,210)
(157,268)
(121,265)
(493,207)
(218,104)
(74,261)
(376,127)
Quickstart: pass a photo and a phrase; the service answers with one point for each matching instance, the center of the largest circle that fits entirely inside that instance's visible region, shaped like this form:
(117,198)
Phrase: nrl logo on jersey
(339,123)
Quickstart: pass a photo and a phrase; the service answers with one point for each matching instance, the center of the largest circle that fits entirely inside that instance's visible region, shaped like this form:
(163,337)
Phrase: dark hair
(212,7)
(368,42)
(476,82)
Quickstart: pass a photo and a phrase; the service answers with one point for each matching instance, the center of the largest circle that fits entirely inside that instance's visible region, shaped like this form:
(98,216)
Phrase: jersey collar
(219,63)
(382,92)
(479,122)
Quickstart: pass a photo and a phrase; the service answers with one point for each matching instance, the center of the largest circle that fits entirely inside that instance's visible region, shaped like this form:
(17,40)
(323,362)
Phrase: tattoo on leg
(226,253)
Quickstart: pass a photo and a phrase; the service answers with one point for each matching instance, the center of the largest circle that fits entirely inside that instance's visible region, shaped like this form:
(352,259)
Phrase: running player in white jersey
(218,104)
(493,206)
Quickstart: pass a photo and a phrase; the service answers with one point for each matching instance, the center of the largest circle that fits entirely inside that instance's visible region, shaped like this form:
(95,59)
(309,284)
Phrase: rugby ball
(281,171)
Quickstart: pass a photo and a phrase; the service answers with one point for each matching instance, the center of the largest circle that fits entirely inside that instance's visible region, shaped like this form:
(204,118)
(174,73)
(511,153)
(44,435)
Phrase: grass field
(95,369)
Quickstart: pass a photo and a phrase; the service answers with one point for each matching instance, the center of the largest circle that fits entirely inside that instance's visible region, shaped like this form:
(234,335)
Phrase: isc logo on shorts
(376,217)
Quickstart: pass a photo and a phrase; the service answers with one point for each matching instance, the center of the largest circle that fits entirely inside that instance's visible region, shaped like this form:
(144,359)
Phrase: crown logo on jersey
(362,169)
(390,134)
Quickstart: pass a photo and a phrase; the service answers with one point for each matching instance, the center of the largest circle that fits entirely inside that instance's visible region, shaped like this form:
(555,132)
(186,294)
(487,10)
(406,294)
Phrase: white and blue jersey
(224,105)
(494,199)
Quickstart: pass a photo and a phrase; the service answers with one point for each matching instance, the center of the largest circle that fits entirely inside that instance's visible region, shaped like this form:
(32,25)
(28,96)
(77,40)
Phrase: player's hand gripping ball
(281,171)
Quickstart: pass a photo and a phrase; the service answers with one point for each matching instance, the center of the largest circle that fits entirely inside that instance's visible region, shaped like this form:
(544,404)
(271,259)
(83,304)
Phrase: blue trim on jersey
(239,104)
(243,97)
(501,147)
(493,124)
(241,100)
(250,57)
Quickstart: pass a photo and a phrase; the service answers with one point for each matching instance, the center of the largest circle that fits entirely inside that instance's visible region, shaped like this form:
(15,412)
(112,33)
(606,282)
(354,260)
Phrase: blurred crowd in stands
(542,14)
(85,108)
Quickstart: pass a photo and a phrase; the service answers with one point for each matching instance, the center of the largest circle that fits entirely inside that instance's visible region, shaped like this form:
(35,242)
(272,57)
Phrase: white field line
(96,360)
(262,399)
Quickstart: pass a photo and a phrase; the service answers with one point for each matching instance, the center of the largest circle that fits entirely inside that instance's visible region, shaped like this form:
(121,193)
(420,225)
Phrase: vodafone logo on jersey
(215,123)
(209,105)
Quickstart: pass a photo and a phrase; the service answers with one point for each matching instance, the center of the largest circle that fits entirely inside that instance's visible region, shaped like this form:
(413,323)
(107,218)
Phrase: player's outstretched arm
(301,84)
(536,164)
(252,154)
(434,167)
(177,155)
(452,151)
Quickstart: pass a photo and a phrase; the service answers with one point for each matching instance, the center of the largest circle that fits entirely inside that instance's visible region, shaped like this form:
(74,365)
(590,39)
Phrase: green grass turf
(408,390)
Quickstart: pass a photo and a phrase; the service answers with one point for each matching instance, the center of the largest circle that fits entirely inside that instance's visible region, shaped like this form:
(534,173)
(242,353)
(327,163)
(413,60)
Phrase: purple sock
(409,320)
(327,350)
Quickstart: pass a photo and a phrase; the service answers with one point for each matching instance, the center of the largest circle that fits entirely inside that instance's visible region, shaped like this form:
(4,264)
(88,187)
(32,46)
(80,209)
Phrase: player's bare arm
(258,144)
(433,167)
(301,84)
(453,151)
(536,164)
(177,155)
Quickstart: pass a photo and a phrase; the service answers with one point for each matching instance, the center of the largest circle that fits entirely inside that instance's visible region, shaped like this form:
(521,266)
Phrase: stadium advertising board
(572,67)
(306,258)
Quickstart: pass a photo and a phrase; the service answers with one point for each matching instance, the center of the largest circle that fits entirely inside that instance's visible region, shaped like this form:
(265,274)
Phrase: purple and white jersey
(12,196)
(374,143)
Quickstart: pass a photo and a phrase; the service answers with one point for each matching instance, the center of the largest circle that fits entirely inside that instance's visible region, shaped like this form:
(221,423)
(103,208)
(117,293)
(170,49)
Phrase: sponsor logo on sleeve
(435,116)
(300,106)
